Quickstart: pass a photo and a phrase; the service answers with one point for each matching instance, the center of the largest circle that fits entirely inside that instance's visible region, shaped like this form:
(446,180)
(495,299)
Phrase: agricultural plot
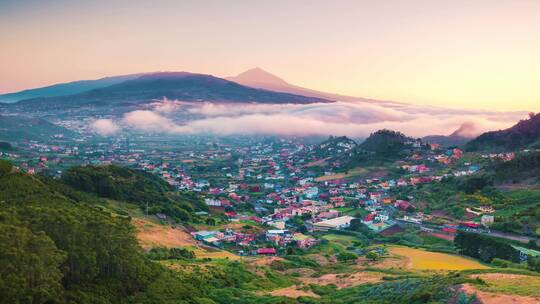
(426,260)
(151,234)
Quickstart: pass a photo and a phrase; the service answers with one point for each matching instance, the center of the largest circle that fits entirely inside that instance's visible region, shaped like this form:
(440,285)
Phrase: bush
(5,167)
(346,256)
(162,253)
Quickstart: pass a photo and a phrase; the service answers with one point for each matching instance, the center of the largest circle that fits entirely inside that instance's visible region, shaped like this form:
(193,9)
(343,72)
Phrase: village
(275,185)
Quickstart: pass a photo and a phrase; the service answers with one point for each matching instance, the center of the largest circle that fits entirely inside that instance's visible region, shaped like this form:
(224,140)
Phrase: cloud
(355,119)
(166,106)
(148,121)
(104,127)
(286,124)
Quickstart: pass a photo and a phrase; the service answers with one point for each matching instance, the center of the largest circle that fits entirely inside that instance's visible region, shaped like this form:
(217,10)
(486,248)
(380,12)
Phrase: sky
(481,54)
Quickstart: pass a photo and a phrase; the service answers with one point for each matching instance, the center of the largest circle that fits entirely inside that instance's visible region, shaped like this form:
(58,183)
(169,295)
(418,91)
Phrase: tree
(372,256)
(346,256)
(30,266)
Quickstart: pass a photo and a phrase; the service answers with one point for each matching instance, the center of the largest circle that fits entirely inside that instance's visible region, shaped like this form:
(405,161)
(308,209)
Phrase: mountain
(525,134)
(14,128)
(173,85)
(259,78)
(63,89)
(459,137)
(446,141)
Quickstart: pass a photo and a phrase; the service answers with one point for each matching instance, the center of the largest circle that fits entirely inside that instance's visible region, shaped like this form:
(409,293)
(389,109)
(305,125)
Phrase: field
(516,284)
(426,260)
(344,240)
(151,234)
(350,173)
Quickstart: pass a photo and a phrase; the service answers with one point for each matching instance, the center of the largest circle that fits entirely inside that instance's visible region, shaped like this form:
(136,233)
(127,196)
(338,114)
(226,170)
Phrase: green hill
(387,143)
(523,167)
(525,134)
(54,249)
(134,186)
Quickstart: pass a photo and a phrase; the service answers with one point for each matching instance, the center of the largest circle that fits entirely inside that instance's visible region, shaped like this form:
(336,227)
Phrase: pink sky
(473,54)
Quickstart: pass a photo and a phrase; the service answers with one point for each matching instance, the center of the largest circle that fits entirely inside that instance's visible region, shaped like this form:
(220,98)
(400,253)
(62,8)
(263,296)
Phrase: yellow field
(426,260)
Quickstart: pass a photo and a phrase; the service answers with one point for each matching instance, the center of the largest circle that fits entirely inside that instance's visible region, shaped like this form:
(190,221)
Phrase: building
(487,220)
(334,224)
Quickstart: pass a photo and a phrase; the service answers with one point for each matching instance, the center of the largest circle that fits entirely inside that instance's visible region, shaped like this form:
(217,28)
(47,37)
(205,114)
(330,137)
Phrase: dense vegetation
(386,143)
(57,250)
(524,166)
(54,250)
(525,133)
(138,187)
(415,290)
(484,247)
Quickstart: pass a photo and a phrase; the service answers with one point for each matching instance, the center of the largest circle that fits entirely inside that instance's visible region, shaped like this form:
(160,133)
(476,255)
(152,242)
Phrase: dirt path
(293,292)
(344,280)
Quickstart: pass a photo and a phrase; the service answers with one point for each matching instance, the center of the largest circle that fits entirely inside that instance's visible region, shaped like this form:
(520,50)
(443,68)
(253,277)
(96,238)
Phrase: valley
(305,220)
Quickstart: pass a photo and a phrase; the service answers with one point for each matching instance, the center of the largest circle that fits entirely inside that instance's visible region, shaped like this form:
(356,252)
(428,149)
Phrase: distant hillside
(459,137)
(173,85)
(15,128)
(446,141)
(63,89)
(525,134)
(5,146)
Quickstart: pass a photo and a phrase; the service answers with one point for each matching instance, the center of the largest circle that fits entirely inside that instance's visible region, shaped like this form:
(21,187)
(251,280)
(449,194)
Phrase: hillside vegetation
(57,250)
(525,134)
(524,166)
(138,187)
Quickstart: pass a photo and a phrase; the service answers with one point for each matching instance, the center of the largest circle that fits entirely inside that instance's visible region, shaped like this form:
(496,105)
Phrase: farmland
(425,260)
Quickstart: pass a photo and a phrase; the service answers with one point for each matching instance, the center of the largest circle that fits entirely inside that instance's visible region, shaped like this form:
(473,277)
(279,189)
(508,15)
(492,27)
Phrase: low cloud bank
(104,127)
(340,118)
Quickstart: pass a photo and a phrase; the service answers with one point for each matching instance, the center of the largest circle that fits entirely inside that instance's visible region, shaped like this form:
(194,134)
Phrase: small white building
(334,224)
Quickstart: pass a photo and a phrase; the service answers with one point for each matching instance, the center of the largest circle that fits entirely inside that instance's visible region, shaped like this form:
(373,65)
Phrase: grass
(511,284)
(344,240)
(426,260)
(351,173)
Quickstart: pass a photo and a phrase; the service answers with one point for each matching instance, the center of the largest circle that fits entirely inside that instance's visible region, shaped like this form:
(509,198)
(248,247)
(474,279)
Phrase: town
(288,189)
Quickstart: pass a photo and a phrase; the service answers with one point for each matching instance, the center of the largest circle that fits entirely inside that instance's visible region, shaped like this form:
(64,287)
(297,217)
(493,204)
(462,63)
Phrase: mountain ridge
(183,86)
(66,88)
